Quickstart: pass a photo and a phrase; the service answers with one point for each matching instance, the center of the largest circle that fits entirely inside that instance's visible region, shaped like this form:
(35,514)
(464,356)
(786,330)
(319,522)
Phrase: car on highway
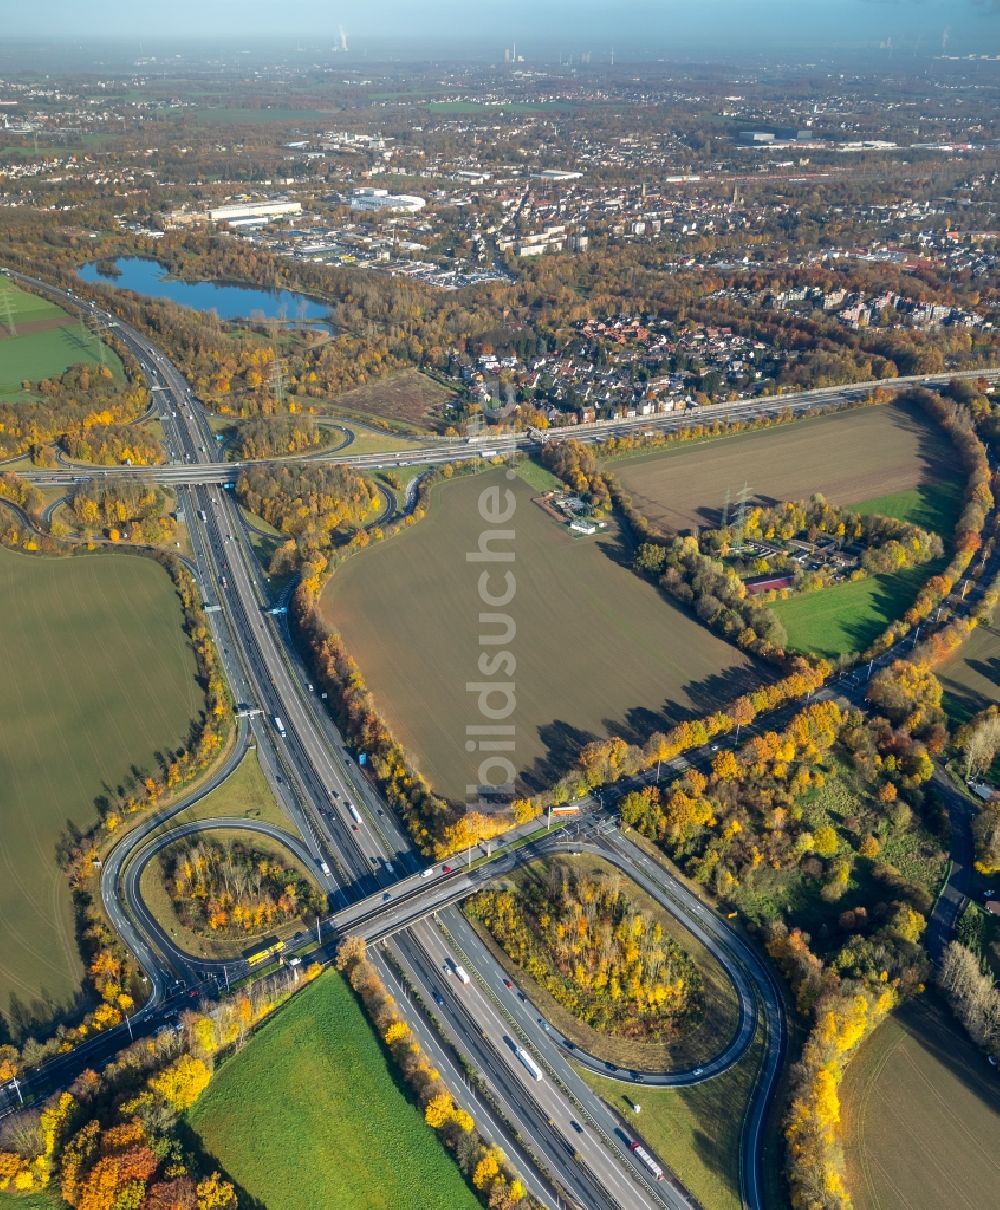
(507,984)
(446,869)
(697,1071)
(576,1125)
(437,997)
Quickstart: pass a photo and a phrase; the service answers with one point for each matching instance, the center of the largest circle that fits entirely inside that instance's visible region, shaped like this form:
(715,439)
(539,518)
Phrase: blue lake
(150,279)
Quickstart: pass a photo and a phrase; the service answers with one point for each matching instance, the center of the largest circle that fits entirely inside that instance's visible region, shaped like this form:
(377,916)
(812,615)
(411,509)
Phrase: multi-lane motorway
(570,1146)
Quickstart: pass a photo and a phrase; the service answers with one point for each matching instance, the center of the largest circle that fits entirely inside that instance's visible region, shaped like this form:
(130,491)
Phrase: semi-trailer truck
(529,1064)
(642,1154)
(279,726)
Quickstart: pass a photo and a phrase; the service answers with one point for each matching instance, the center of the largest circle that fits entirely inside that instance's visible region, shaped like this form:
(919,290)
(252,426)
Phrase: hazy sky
(656,25)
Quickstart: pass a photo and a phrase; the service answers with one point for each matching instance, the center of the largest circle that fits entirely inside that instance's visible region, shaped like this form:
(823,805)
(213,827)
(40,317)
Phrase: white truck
(529,1064)
(279,726)
(461,973)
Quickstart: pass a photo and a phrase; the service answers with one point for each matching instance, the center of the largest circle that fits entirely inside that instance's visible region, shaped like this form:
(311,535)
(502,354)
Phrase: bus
(260,956)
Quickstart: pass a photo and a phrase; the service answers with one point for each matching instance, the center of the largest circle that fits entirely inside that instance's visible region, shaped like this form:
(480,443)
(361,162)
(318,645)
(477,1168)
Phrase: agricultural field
(971,678)
(409,397)
(98,680)
(696,1131)
(697,1042)
(310,1114)
(39,340)
(598,650)
(850,457)
(921,1115)
(849,616)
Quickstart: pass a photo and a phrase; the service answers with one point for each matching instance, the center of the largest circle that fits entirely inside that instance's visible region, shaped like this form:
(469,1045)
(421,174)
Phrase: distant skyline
(656,27)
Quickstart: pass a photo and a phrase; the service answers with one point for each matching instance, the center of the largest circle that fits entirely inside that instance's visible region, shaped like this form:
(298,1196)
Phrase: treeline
(113,445)
(603,959)
(112,1139)
(317,505)
(127,510)
(753,831)
(20,492)
(716,595)
(485,1166)
(86,412)
(232,890)
(973,996)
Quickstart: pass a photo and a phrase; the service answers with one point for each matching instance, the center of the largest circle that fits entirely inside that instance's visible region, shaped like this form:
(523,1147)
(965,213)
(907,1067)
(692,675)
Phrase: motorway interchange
(569,1147)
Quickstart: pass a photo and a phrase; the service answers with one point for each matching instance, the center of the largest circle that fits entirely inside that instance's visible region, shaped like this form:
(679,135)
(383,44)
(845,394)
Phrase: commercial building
(253,210)
(381,199)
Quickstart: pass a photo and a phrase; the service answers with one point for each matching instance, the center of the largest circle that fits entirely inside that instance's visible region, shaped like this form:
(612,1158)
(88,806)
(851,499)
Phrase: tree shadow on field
(39,1016)
(930,1024)
(204,1161)
(716,690)
(563,744)
(988,669)
(617,547)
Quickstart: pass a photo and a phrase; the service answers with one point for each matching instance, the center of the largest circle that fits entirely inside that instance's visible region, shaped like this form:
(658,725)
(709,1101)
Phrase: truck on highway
(642,1154)
(355,813)
(462,973)
(279,726)
(529,1064)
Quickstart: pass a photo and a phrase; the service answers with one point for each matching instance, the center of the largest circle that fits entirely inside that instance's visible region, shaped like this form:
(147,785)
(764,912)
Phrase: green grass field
(44,342)
(850,457)
(933,506)
(538,476)
(598,650)
(32,1201)
(696,1130)
(310,1115)
(921,1116)
(98,679)
(971,678)
(849,616)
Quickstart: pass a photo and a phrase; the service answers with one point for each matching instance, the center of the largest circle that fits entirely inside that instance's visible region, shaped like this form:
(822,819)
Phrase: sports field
(39,340)
(921,1116)
(597,649)
(971,679)
(310,1114)
(850,457)
(98,679)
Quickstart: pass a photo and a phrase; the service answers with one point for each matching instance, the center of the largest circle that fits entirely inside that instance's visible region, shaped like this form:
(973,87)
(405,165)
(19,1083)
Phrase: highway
(376,883)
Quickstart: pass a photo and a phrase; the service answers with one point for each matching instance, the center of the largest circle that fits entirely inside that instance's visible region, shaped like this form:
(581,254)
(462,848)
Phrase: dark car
(507,983)
(576,1126)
